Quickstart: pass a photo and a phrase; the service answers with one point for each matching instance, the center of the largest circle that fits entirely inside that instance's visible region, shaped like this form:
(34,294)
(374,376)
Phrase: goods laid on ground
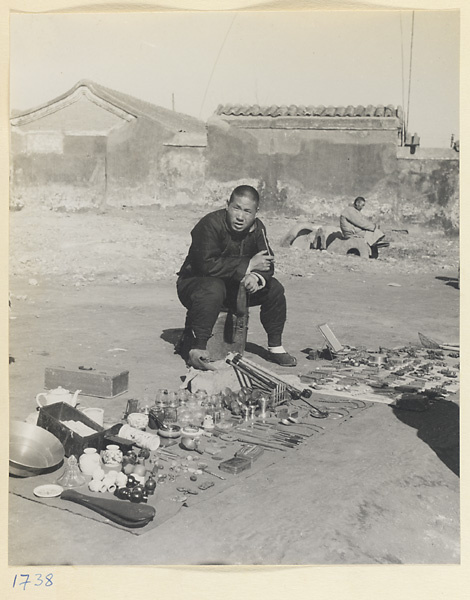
(390,376)
(180,447)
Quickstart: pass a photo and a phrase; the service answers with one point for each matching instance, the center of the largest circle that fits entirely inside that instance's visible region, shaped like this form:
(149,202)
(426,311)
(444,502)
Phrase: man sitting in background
(228,249)
(354,224)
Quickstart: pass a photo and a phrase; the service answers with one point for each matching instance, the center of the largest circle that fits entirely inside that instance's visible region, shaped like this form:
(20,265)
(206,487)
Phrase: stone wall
(132,165)
(308,169)
(311,171)
(428,190)
(315,172)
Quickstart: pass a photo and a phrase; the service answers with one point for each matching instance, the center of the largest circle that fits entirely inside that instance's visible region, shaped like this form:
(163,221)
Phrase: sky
(206,59)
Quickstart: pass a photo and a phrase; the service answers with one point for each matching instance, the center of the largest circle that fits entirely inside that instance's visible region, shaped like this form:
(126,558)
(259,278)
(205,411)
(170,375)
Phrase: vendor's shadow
(450,281)
(258,350)
(438,426)
(172,336)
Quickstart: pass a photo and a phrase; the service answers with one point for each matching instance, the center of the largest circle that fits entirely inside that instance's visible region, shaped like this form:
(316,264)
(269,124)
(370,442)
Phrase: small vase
(112,456)
(89,461)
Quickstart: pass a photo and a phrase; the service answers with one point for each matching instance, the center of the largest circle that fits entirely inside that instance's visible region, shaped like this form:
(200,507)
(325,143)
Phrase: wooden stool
(230,330)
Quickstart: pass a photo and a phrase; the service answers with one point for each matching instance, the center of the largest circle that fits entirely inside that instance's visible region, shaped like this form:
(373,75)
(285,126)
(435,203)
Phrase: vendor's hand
(251,283)
(200,359)
(261,261)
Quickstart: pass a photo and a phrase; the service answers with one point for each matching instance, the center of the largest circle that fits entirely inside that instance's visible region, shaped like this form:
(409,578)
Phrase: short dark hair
(245,191)
(359,198)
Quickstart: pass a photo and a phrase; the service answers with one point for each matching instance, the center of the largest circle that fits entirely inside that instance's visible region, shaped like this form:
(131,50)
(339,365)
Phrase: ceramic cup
(112,456)
(95,414)
(138,420)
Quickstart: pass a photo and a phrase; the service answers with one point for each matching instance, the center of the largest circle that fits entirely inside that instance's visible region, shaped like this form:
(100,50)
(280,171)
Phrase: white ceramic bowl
(138,420)
(191,432)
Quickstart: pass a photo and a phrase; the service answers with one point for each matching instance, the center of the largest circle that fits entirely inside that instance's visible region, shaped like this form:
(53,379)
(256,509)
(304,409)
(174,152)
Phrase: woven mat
(167,500)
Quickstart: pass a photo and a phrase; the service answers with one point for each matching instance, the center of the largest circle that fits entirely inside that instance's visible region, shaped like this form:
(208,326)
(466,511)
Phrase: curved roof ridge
(122,102)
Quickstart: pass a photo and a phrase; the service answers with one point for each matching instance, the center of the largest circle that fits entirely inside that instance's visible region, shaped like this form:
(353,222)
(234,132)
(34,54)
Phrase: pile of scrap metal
(409,377)
(308,236)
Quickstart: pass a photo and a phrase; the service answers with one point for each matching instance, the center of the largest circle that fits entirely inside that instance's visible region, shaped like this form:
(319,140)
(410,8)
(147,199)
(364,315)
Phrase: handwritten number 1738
(36,580)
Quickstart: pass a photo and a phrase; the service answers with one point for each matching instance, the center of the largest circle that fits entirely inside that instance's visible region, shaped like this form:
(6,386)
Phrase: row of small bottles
(185,408)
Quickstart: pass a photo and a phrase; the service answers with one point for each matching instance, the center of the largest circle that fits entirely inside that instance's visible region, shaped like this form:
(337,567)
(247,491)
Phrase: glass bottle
(183,397)
(160,403)
(200,397)
(171,409)
(218,407)
(71,476)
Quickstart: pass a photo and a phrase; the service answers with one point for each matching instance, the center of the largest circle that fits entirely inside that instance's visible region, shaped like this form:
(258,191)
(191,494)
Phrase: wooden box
(91,382)
(51,418)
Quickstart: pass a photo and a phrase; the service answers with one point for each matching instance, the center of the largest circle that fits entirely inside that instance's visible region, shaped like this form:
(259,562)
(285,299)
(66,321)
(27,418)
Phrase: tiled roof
(238,110)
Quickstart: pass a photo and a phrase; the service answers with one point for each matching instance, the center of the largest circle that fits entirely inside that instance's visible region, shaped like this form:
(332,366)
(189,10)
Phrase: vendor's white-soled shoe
(284,359)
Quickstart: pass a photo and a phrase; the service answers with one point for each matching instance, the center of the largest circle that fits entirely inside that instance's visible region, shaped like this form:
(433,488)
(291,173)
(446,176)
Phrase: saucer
(49,490)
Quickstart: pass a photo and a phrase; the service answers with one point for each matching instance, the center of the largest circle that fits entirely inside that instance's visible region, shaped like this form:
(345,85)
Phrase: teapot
(58,395)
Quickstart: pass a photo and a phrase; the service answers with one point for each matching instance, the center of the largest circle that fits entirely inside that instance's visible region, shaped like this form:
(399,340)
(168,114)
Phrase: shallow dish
(171,431)
(48,490)
(191,431)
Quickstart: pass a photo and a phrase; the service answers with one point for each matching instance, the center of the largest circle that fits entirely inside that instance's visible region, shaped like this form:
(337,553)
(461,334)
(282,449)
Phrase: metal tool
(247,378)
(430,343)
(262,402)
(319,414)
(213,474)
(274,427)
(264,432)
(168,454)
(184,490)
(270,254)
(264,375)
(247,438)
(294,422)
(273,439)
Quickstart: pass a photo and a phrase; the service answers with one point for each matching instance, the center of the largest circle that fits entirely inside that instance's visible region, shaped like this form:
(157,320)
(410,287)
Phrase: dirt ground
(383,487)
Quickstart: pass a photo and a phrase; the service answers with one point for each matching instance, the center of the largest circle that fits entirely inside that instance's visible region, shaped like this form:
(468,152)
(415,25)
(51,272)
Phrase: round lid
(59,390)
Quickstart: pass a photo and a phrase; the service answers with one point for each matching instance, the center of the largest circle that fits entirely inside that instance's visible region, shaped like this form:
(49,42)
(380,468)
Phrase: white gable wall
(80,117)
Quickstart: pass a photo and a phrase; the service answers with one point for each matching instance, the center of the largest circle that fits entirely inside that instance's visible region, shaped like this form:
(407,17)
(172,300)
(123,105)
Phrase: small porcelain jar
(208,423)
(89,461)
(138,420)
(112,456)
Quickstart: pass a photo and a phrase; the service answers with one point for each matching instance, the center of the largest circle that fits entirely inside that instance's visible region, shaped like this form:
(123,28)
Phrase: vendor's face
(241,213)
(359,204)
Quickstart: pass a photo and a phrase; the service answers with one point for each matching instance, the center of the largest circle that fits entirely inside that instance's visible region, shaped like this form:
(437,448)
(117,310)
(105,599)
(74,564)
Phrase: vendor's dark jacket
(217,251)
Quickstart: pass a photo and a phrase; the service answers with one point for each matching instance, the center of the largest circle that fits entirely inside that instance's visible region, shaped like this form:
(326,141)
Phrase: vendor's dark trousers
(204,298)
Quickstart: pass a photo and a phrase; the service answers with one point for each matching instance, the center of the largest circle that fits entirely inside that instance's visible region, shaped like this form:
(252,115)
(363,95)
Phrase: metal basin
(33,450)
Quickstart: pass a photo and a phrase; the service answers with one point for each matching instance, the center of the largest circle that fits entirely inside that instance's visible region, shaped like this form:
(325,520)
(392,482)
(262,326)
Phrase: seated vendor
(353,223)
(229,249)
